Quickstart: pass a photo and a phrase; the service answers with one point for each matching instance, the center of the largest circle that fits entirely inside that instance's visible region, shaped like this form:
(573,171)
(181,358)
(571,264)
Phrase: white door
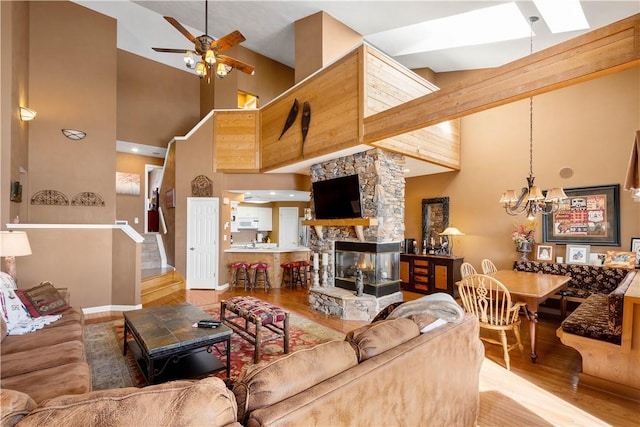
(202,242)
(288,227)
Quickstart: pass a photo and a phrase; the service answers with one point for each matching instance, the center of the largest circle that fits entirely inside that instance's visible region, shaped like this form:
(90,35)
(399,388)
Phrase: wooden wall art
(50,198)
(202,186)
(87,198)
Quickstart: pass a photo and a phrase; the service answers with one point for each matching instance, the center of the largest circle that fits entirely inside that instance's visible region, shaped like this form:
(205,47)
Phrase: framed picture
(435,218)
(589,215)
(635,248)
(16,191)
(620,259)
(597,259)
(577,254)
(128,183)
(170,198)
(545,252)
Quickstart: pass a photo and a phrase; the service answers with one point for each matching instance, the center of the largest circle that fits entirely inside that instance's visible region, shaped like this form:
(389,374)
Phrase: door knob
(192,249)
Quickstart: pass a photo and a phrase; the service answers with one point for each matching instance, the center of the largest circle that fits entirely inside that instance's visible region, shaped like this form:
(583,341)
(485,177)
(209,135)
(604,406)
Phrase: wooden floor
(553,378)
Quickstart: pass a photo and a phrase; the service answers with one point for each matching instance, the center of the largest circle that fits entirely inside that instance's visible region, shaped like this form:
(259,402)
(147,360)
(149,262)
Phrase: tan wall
(126,271)
(588,127)
(78,92)
(14,92)
(129,207)
(155,102)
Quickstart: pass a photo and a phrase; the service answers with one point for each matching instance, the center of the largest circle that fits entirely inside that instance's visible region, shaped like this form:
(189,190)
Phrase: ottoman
(248,315)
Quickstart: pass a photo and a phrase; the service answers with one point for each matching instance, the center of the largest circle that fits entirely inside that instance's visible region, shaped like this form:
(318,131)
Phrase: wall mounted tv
(337,198)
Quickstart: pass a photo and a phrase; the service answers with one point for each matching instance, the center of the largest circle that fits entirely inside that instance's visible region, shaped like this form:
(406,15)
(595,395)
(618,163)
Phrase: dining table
(532,289)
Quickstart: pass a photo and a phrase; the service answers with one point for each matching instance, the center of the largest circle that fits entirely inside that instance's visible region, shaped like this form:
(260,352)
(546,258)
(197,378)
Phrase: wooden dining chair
(490,301)
(467,269)
(488,266)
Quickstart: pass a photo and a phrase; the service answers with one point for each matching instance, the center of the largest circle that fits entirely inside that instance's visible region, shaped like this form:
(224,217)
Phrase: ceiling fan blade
(180,28)
(164,49)
(227,41)
(238,65)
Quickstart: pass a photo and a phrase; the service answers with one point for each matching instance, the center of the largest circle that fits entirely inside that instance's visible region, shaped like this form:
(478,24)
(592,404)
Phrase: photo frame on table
(620,259)
(589,215)
(545,252)
(635,248)
(577,254)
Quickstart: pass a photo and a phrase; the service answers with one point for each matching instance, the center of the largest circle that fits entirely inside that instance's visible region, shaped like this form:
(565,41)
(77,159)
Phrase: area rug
(110,369)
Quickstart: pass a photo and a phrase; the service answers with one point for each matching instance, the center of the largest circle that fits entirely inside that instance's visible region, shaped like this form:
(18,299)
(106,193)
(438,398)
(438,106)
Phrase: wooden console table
(430,273)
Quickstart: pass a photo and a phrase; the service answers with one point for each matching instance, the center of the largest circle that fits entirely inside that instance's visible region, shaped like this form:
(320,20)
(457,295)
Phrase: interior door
(288,227)
(202,242)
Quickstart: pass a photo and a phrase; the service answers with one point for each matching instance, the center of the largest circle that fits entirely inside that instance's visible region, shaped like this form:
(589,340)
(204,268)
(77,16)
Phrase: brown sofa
(46,363)
(385,373)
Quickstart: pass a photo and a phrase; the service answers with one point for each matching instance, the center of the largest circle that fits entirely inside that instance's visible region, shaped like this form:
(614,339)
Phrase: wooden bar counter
(272,256)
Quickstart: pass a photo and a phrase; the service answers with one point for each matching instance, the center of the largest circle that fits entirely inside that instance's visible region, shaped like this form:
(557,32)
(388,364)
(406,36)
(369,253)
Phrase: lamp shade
(14,243)
(451,231)
(27,114)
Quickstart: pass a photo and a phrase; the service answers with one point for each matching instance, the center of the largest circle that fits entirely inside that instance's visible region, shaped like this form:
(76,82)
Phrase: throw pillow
(43,300)
(13,310)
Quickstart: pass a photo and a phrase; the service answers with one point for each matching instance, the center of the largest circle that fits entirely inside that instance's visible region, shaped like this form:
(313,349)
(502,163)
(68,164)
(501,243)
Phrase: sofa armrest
(615,304)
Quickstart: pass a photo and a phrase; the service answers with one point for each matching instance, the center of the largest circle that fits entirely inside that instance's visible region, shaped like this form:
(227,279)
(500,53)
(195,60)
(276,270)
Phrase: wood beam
(610,49)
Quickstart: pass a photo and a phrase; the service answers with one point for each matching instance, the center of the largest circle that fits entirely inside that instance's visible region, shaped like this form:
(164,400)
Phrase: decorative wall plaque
(87,198)
(50,197)
(202,186)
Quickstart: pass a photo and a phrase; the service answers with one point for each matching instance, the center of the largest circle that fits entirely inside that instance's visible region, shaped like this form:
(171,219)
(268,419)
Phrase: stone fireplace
(374,249)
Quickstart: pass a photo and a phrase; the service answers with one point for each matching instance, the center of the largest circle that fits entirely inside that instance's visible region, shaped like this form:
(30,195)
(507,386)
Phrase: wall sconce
(27,114)
(74,134)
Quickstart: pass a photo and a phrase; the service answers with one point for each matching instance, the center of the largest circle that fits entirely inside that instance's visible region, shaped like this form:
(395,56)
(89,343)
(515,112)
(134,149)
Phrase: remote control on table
(208,324)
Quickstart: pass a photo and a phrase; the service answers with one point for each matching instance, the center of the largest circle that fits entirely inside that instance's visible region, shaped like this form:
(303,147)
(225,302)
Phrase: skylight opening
(562,16)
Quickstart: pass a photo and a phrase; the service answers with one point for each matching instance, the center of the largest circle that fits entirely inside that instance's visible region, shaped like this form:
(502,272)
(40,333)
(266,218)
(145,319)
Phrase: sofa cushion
(375,338)
(615,303)
(14,406)
(72,378)
(42,338)
(176,403)
(590,320)
(42,300)
(268,383)
(41,358)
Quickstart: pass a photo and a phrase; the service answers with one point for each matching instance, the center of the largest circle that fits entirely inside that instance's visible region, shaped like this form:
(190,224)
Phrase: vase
(524,249)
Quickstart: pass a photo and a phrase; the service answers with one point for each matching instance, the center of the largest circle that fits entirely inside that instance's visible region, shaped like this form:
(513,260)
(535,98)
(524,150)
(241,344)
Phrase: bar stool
(304,273)
(240,272)
(287,274)
(261,275)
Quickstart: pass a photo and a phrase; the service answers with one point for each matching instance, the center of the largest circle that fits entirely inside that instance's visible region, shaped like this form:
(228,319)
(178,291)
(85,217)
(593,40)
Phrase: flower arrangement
(524,233)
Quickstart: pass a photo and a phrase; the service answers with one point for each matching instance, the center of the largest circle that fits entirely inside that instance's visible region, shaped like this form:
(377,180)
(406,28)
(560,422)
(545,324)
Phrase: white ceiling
(269,29)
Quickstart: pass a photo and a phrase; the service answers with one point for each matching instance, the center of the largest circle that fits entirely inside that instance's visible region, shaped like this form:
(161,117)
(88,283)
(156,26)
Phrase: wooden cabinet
(430,273)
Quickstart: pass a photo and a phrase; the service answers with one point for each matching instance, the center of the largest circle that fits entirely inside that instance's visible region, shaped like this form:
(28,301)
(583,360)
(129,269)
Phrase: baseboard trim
(110,308)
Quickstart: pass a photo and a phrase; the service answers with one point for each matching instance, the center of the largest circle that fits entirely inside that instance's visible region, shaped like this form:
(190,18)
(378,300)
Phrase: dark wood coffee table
(167,346)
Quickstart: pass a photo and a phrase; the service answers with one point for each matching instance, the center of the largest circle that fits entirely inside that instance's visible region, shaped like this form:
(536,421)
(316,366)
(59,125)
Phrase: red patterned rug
(112,370)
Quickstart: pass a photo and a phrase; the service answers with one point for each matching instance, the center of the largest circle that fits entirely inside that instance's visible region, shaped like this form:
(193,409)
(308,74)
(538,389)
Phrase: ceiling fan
(210,50)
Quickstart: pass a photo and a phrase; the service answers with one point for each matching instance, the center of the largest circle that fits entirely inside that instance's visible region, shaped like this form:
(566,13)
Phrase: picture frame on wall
(545,252)
(170,198)
(589,216)
(620,259)
(577,254)
(635,248)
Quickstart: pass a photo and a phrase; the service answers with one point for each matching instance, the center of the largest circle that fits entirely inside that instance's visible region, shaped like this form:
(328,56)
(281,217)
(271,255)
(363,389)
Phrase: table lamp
(451,231)
(13,244)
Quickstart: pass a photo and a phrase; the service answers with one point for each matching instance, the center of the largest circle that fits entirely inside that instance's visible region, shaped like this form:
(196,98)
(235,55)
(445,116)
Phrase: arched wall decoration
(201,186)
(87,198)
(50,197)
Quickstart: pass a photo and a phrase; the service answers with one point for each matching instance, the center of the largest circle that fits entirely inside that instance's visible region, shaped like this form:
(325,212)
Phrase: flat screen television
(337,198)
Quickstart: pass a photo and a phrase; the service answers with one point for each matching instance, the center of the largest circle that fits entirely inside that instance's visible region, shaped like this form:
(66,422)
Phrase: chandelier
(531,199)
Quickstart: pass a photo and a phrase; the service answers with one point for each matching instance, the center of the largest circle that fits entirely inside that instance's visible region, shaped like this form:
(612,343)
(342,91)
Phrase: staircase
(158,278)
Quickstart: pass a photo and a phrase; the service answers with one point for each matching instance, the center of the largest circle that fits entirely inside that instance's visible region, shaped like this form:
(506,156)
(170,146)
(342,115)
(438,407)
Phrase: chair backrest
(467,269)
(488,266)
(488,299)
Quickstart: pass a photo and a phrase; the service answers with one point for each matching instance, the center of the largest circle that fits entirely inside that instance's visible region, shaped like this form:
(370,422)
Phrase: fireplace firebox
(378,262)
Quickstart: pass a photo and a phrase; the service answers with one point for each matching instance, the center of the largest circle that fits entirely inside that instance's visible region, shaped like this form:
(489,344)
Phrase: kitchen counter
(273,256)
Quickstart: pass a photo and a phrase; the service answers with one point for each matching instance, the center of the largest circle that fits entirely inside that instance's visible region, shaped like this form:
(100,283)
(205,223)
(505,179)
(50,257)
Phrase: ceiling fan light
(188,60)
(201,69)
(222,70)
(210,57)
